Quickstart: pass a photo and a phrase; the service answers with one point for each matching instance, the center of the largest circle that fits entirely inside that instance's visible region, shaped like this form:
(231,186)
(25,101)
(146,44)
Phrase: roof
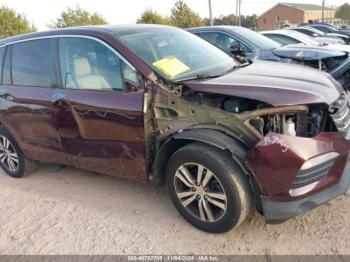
(303,7)
(86,30)
(306,7)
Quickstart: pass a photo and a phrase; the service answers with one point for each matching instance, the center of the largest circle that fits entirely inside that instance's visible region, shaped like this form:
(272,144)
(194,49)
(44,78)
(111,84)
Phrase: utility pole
(238,12)
(210,14)
(239,8)
(323,3)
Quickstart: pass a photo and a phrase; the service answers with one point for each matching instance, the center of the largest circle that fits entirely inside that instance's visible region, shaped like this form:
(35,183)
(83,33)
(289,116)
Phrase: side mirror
(238,53)
(237,50)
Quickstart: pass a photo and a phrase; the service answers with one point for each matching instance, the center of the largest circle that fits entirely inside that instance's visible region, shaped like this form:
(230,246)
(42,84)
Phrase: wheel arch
(211,137)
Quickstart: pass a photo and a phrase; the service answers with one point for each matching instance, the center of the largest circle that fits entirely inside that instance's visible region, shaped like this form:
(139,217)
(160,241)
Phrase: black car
(329,29)
(240,41)
(313,32)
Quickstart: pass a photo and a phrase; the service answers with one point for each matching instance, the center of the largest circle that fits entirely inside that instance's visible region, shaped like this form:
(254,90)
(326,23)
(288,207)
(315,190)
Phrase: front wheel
(208,188)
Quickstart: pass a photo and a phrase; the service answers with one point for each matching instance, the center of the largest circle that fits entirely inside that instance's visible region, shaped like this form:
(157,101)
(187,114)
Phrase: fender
(214,138)
(208,136)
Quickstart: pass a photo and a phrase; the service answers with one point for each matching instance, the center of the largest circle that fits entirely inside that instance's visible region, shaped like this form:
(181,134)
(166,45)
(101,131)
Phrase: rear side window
(6,72)
(2,54)
(33,63)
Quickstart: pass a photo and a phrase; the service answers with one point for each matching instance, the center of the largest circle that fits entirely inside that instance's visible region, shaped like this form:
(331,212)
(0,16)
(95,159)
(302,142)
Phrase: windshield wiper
(199,77)
(249,62)
(207,76)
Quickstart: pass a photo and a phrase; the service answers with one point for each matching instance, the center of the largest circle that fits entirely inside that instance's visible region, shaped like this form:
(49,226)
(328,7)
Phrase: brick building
(291,14)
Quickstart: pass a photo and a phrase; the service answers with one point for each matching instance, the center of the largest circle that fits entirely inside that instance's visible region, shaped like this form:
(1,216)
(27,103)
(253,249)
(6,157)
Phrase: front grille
(341,116)
(316,171)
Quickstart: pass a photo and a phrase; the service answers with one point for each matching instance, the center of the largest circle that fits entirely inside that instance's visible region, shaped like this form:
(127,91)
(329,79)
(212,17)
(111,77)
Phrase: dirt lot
(68,211)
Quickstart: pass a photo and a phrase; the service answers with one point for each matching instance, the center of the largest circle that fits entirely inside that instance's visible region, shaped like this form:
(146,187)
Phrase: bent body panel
(277,159)
(103,131)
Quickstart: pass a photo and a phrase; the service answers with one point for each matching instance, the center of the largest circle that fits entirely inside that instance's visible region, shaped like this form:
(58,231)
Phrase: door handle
(5,95)
(8,97)
(56,97)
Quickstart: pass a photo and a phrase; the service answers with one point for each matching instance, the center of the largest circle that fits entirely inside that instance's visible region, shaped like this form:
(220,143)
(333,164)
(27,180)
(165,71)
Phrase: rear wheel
(208,188)
(12,159)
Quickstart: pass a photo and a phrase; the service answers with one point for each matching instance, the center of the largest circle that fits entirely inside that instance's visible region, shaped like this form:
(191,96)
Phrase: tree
(77,17)
(13,23)
(182,16)
(152,17)
(343,11)
(226,20)
(248,21)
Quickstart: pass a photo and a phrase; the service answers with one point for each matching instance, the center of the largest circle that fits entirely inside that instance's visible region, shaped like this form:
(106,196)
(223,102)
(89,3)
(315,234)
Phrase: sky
(43,12)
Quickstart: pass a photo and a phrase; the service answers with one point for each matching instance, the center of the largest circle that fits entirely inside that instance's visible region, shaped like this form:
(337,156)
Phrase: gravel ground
(69,211)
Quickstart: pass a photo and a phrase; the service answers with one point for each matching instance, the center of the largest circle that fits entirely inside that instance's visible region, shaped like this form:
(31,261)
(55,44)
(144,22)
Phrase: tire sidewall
(21,159)
(216,161)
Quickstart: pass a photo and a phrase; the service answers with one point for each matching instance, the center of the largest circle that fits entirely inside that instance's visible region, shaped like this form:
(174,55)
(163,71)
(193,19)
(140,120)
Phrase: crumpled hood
(308,53)
(277,84)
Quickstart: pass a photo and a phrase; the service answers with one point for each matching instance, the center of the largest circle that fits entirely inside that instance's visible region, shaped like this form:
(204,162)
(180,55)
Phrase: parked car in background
(240,41)
(290,37)
(329,29)
(315,33)
(158,104)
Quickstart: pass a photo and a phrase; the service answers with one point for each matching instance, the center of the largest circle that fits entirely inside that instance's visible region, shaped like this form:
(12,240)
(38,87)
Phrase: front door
(100,121)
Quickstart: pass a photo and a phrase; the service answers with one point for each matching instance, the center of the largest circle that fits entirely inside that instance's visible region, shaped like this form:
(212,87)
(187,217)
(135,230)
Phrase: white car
(315,33)
(288,37)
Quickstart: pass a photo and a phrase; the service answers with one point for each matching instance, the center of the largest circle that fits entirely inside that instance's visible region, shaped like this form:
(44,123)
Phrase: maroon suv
(154,103)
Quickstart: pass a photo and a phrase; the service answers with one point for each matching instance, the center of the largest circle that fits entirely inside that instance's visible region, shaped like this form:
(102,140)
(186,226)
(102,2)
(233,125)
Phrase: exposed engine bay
(309,123)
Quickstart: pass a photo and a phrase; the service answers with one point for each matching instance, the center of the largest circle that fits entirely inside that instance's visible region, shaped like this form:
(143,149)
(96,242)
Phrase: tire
(21,166)
(227,185)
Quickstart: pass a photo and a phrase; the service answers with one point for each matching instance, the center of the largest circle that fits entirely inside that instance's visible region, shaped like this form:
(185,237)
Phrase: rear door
(99,110)
(28,82)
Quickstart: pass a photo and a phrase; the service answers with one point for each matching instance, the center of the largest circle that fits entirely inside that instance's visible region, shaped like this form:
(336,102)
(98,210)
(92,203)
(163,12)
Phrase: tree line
(182,16)
(13,23)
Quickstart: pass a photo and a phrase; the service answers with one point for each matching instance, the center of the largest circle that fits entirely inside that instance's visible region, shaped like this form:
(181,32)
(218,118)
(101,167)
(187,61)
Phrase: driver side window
(225,41)
(90,65)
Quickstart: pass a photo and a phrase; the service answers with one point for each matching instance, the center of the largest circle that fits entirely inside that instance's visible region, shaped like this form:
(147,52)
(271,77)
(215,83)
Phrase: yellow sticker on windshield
(171,66)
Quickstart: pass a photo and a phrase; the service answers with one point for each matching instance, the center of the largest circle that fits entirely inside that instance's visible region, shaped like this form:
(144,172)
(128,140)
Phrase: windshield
(177,54)
(325,29)
(314,30)
(257,39)
(302,38)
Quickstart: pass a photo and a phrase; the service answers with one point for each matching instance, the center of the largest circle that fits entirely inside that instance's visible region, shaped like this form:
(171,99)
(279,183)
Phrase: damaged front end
(295,155)
(302,160)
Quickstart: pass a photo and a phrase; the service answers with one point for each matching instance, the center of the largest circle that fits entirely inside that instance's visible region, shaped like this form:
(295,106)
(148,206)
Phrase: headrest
(82,66)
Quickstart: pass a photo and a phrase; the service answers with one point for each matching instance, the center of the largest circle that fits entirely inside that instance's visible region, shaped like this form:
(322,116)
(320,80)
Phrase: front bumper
(277,212)
(276,162)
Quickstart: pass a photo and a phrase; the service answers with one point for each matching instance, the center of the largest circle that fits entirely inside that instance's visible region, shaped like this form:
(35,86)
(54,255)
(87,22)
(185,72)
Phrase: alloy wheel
(200,192)
(8,155)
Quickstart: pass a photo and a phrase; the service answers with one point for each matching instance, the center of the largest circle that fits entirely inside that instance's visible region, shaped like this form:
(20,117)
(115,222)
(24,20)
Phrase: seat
(223,42)
(86,79)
